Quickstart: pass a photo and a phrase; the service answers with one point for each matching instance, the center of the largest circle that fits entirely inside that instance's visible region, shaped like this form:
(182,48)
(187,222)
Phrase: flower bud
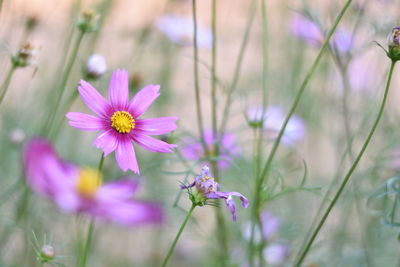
(393,42)
(31,23)
(256,116)
(88,21)
(17,136)
(96,66)
(47,252)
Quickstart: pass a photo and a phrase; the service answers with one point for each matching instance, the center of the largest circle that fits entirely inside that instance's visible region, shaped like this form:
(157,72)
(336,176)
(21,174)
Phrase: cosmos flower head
(179,29)
(77,189)
(295,129)
(206,188)
(193,149)
(119,122)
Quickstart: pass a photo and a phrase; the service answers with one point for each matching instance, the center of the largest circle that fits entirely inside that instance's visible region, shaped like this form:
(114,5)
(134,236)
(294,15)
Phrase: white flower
(17,136)
(96,66)
(179,29)
(276,254)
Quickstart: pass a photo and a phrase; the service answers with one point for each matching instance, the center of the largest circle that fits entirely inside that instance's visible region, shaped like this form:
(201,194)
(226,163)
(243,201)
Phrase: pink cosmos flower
(80,190)
(207,188)
(118,120)
(193,150)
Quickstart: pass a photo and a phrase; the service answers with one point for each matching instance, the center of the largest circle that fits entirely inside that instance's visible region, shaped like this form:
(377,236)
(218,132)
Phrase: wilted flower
(276,254)
(17,136)
(96,66)
(119,120)
(24,57)
(393,42)
(207,188)
(180,30)
(81,190)
(193,149)
(295,129)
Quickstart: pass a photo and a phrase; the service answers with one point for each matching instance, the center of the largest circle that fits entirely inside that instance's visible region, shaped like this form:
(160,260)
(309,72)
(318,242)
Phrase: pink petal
(156,126)
(125,156)
(84,121)
(143,99)
(121,189)
(133,212)
(151,143)
(118,91)
(93,99)
(107,141)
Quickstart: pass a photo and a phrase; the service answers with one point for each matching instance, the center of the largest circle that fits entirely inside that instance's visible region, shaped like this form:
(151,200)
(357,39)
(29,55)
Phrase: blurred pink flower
(193,150)
(118,120)
(80,190)
(275,117)
(308,31)
(208,189)
(179,29)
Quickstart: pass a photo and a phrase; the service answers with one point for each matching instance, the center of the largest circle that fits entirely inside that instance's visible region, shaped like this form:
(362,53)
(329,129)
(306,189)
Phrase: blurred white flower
(295,129)
(17,136)
(179,29)
(96,66)
(276,254)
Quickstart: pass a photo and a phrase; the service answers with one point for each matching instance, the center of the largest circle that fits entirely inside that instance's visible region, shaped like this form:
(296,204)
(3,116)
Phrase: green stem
(196,79)
(64,80)
(6,83)
(87,244)
(171,249)
(90,231)
(213,73)
(304,84)
(350,172)
(238,68)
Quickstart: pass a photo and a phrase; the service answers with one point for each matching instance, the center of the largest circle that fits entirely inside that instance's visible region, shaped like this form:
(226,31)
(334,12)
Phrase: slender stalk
(238,68)
(90,231)
(350,172)
(86,249)
(258,136)
(6,83)
(304,84)
(64,80)
(171,249)
(214,72)
(196,80)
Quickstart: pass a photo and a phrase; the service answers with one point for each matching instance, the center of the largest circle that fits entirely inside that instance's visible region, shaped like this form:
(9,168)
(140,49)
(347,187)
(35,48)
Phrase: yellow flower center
(122,121)
(89,181)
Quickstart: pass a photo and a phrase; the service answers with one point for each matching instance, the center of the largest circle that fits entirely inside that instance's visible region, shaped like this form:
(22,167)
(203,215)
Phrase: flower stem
(196,79)
(171,249)
(6,83)
(90,231)
(61,87)
(238,68)
(213,72)
(87,244)
(304,252)
(304,84)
